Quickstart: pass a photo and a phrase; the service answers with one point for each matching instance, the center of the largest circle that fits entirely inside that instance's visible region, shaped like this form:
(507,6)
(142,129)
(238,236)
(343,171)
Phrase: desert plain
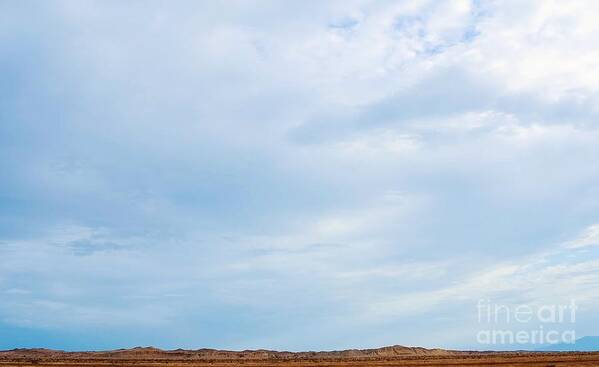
(386,356)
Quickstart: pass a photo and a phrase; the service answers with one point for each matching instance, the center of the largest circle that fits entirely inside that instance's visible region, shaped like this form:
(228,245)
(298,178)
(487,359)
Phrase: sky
(294,175)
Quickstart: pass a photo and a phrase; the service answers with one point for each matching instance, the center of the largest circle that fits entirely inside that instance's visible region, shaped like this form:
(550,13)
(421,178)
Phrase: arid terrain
(387,356)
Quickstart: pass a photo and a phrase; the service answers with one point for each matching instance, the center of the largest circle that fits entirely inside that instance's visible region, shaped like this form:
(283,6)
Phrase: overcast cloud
(293,175)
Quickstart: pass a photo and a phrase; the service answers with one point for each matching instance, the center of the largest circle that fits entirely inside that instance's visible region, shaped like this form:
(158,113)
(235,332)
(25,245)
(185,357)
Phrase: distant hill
(584,344)
(150,353)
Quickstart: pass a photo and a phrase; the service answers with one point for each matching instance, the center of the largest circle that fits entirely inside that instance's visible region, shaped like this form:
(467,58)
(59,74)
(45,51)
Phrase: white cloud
(366,160)
(590,237)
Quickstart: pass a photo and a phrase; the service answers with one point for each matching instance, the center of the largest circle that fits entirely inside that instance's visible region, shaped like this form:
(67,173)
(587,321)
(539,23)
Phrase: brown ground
(387,356)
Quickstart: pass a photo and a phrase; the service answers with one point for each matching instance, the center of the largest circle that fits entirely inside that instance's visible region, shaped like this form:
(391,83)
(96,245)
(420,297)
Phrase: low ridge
(215,354)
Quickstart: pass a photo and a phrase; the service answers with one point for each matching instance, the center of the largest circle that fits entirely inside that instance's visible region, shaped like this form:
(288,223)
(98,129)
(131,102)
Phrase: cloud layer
(293,176)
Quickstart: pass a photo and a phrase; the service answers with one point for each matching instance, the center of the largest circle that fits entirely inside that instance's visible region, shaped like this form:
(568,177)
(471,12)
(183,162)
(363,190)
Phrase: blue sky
(293,175)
